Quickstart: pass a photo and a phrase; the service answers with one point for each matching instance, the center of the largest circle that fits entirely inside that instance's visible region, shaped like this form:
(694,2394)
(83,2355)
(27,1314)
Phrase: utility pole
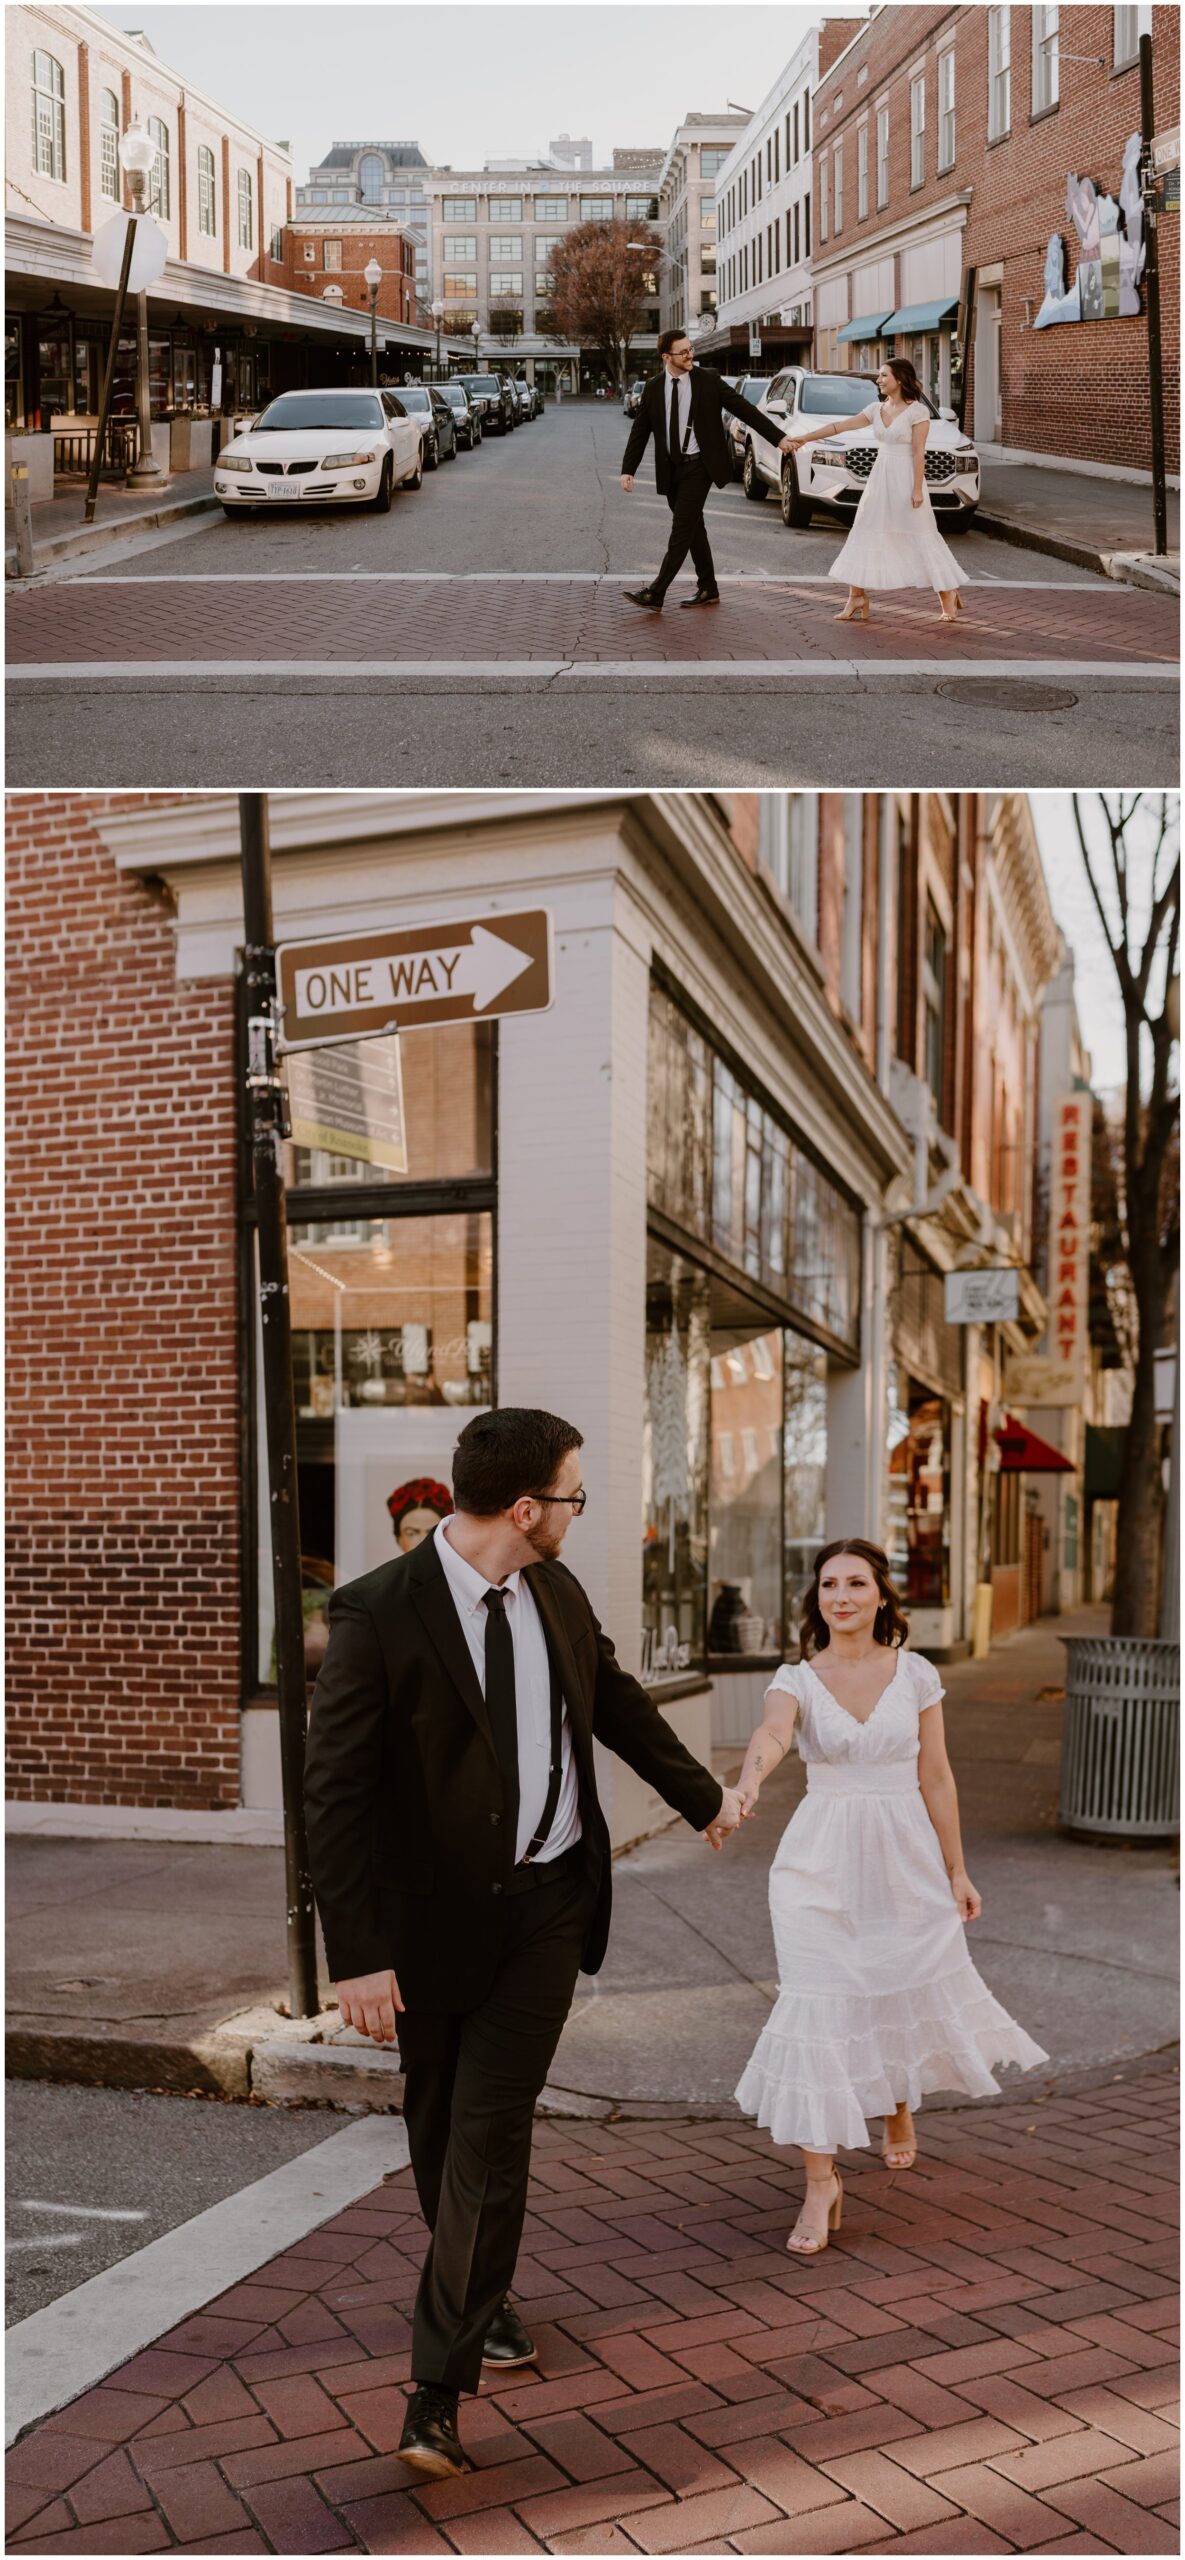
(266,1113)
(1148,191)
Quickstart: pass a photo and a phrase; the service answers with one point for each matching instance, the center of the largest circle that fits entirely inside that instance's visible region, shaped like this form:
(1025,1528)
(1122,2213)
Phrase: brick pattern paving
(290,620)
(983,2363)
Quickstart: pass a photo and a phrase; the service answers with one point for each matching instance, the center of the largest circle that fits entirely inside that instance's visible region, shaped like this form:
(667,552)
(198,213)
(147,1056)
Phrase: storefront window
(14,392)
(446,1084)
(675,1467)
(53,373)
(804,1445)
(392,1331)
(746,1492)
(919,1443)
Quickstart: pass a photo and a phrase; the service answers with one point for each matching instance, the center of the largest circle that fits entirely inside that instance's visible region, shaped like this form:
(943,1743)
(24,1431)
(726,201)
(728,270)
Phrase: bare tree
(603,285)
(1130,846)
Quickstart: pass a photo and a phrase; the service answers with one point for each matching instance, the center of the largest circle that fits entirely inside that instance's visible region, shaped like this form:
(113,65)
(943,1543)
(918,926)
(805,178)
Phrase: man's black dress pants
(687,497)
(471,2082)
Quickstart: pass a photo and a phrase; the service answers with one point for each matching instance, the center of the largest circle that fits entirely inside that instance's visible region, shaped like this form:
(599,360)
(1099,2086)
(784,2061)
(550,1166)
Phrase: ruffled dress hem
(821,2067)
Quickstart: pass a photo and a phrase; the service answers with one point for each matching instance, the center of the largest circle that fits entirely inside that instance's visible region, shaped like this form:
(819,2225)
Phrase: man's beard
(545,1540)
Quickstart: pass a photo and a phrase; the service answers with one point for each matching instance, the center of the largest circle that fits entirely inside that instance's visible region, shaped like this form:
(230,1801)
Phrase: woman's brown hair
(889,1625)
(910,389)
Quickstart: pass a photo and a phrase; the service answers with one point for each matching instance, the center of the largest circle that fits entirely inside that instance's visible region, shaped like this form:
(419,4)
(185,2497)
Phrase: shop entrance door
(988,366)
(1034,1557)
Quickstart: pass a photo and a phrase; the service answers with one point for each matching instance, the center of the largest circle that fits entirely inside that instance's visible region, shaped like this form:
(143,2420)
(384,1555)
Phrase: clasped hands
(735,1808)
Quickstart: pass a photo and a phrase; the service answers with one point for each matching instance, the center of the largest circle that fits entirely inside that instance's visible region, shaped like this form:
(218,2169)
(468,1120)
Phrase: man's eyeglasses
(577,1500)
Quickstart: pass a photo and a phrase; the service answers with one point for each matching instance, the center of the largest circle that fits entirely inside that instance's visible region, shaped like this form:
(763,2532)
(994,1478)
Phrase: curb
(1126,567)
(96,537)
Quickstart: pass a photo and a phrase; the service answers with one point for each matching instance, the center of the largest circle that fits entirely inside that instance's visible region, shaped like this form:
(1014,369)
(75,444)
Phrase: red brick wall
(395,254)
(122,1598)
(1079,389)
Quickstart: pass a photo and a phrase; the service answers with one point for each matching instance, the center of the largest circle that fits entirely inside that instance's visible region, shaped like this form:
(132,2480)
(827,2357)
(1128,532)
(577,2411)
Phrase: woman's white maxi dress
(893,543)
(878,1999)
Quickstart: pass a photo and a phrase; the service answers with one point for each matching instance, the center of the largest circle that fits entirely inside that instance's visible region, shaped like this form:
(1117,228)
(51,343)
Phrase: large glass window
(852,929)
(506,208)
(505,246)
(459,209)
(596,208)
(207,196)
(917,130)
(49,117)
(246,210)
(862,173)
(372,176)
(934,999)
(674,1466)
(946,109)
(551,208)
(1045,59)
(1129,25)
(882,156)
(160,182)
(919,1443)
(999,73)
(789,841)
(460,245)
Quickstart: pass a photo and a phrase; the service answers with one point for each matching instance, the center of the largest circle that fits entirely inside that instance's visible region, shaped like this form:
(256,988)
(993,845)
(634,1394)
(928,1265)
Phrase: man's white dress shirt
(532,1692)
(681,383)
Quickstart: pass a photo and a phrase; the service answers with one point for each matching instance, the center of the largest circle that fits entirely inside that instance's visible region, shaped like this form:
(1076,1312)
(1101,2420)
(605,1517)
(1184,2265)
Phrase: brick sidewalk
(290,620)
(982,2363)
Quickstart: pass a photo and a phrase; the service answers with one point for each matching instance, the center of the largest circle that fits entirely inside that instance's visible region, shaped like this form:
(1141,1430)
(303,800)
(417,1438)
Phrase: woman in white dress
(895,541)
(878,2000)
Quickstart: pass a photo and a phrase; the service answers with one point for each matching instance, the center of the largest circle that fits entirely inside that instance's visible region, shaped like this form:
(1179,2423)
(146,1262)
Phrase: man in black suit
(461,1859)
(682,408)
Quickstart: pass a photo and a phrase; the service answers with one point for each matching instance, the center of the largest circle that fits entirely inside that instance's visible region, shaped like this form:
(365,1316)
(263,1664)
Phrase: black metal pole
(266,1119)
(374,344)
(121,295)
(1148,192)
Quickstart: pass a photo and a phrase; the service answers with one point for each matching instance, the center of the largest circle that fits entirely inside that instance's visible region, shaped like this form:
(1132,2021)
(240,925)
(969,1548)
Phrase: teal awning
(870,327)
(916,317)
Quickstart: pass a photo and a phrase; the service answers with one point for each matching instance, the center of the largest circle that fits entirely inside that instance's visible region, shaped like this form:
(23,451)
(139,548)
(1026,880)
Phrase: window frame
(917,131)
(946,110)
(207,178)
(244,209)
(1046,57)
(161,179)
(999,57)
(53,132)
(882,155)
(862,171)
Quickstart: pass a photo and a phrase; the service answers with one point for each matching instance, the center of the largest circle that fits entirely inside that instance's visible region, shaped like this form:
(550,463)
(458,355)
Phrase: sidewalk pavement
(983,2364)
(140,1964)
(60,534)
(1095,522)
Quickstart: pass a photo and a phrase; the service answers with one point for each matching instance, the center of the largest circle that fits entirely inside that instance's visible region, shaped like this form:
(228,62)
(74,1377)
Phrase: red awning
(1022,1453)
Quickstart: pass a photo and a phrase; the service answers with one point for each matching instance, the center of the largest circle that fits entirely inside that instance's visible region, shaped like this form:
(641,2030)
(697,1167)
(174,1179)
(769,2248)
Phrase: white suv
(834,475)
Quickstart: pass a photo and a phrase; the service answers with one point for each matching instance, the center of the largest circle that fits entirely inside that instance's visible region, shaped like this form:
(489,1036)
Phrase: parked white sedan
(308,448)
(833,475)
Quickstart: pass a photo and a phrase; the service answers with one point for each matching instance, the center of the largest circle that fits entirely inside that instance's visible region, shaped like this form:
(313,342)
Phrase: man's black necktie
(501,1705)
(673,435)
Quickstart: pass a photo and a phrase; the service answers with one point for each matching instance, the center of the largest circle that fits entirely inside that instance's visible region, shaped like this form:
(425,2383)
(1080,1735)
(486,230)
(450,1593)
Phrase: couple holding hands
(894,542)
(463,1872)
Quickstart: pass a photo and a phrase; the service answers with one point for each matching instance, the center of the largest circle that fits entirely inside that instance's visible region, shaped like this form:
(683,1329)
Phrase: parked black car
(465,413)
(424,402)
(499,408)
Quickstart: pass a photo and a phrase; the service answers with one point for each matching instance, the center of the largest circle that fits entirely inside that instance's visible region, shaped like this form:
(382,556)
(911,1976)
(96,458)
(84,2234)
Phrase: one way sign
(347,986)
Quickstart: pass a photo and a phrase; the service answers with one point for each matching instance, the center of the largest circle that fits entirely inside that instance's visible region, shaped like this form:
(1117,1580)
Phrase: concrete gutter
(1130,568)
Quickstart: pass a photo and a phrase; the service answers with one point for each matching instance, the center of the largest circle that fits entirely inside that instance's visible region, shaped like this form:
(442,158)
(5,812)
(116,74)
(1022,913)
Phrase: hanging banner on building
(349,1102)
(1069,1241)
(352,985)
(982,1297)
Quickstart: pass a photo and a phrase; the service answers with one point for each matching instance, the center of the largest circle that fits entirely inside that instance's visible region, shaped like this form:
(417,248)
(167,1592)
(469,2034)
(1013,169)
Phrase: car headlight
(233,462)
(344,461)
(967,462)
(823,453)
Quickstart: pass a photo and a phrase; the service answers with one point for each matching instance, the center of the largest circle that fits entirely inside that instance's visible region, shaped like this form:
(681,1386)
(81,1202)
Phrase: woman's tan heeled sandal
(810,2248)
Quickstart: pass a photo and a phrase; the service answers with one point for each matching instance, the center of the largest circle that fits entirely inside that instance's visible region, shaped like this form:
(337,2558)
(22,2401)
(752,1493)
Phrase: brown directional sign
(348,985)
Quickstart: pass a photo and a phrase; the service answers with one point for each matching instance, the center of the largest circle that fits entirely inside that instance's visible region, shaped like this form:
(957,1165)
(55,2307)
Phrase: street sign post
(350,986)
(129,252)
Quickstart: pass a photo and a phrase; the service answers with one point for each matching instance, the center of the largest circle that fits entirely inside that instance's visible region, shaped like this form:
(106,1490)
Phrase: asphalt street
(477,635)
(93,2174)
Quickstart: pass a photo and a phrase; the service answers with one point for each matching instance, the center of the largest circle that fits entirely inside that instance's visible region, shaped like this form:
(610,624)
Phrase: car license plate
(285,488)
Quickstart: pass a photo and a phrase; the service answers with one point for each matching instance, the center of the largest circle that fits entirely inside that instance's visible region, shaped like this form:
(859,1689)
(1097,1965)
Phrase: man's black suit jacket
(403,1793)
(711,395)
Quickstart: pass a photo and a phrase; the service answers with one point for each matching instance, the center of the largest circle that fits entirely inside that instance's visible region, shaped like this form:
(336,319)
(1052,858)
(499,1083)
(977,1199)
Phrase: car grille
(859,459)
(278,470)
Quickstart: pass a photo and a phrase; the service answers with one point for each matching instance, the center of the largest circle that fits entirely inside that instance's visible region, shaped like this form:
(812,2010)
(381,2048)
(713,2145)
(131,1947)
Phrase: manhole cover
(1007,693)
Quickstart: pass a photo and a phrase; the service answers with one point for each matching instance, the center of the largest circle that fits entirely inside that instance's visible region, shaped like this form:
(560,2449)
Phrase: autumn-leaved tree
(604,284)
(1130,845)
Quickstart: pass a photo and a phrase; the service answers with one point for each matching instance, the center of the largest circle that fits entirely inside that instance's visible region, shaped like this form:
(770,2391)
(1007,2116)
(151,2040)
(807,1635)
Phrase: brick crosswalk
(281,621)
(983,2363)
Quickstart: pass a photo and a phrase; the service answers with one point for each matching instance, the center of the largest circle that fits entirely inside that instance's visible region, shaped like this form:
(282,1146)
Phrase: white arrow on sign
(149,255)
(481,968)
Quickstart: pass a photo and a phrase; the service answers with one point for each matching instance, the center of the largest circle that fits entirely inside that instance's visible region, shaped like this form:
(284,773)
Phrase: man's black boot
(645,596)
(703,595)
(506,2340)
(429,2442)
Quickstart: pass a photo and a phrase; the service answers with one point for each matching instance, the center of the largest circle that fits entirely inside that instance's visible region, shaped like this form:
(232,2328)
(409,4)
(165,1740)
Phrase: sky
(471,83)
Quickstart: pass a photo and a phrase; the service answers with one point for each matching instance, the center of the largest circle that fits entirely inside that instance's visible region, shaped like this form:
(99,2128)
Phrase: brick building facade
(944,139)
(325,255)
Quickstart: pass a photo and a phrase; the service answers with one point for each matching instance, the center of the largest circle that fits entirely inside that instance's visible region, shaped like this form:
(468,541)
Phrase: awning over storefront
(915,318)
(1022,1453)
(871,326)
(1104,1460)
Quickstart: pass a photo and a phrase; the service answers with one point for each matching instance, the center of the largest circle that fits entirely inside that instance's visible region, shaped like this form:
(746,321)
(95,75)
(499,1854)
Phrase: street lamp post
(372,277)
(138,154)
(438,317)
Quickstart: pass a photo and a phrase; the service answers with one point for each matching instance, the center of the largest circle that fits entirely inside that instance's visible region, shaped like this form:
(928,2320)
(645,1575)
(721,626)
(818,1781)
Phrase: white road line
(545,670)
(85,2212)
(49,2240)
(73,2343)
(542,578)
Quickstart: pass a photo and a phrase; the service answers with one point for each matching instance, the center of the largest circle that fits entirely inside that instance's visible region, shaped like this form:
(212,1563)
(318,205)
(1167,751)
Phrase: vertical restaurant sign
(1069,1237)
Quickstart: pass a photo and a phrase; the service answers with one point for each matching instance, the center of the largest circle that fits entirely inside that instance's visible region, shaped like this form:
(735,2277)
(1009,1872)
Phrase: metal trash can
(1119,1740)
